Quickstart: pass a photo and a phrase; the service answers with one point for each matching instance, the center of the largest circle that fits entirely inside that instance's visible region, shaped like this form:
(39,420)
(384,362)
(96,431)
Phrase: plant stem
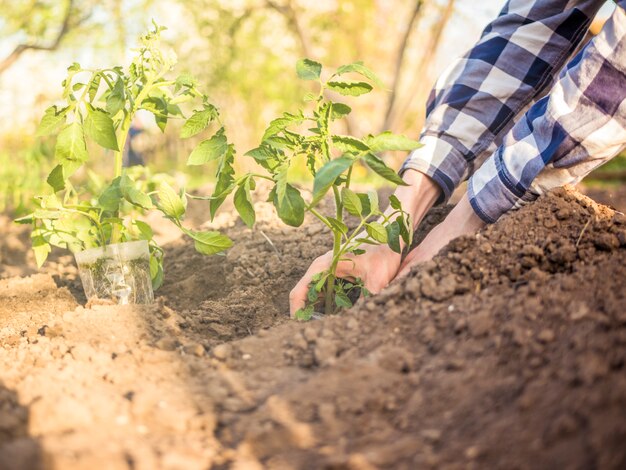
(330,282)
(320,217)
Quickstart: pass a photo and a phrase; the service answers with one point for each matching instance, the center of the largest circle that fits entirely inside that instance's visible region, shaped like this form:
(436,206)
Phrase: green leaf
(71,150)
(406,230)
(185,80)
(99,127)
(351,202)
(373,198)
(342,300)
(327,175)
(365,202)
(337,225)
(349,144)
(279,143)
(224,185)
(111,198)
(358,67)
(280,124)
(382,169)
(156,272)
(350,88)
(312,294)
(170,203)
(51,122)
(46,214)
(158,107)
(390,141)
(377,231)
(394,202)
(41,247)
(243,203)
(393,236)
(291,209)
(56,179)
(339,110)
(308,69)
(94,85)
(210,243)
(50,201)
(145,230)
(116,97)
(304,314)
(25,219)
(264,156)
(134,195)
(198,122)
(280,176)
(209,150)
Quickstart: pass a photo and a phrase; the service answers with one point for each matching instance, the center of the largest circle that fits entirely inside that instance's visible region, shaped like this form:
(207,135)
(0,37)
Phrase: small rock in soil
(222,351)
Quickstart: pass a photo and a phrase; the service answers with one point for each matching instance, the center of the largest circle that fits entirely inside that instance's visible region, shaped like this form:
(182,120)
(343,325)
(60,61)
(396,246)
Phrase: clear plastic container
(119,273)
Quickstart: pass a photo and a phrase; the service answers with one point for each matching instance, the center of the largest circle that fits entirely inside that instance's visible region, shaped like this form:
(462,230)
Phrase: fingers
(298,295)
(414,257)
(346,269)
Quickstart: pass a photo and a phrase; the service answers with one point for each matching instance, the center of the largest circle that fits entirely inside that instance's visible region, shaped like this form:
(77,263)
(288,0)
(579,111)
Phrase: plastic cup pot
(119,273)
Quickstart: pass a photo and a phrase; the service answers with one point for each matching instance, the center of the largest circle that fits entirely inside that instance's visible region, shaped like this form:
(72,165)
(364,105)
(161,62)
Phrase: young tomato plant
(98,110)
(330,160)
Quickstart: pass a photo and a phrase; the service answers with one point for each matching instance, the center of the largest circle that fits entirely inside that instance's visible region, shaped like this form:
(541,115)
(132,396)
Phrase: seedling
(98,111)
(330,160)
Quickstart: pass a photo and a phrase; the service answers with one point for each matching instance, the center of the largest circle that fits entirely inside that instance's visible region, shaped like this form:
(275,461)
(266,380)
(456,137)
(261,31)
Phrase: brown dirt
(508,350)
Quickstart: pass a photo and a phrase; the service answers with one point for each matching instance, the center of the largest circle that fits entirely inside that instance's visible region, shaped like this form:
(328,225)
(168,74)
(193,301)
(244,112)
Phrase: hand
(376,268)
(379,264)
(462,220)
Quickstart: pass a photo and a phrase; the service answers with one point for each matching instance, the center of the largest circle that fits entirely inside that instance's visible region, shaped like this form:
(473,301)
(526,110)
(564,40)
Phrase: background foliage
(242,51)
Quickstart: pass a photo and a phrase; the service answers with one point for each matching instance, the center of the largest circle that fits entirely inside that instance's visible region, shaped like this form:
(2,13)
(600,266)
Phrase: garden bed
(506,351)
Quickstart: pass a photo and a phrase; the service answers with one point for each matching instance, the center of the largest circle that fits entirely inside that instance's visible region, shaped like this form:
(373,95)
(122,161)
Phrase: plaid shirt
(487,119)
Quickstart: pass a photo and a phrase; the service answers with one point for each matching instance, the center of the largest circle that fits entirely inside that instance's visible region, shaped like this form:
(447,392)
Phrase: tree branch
(399,63)
(421,87)
(21,48)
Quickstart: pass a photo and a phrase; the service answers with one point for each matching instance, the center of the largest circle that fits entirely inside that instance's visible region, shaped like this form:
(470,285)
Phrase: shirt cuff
(440,161)
(491,192)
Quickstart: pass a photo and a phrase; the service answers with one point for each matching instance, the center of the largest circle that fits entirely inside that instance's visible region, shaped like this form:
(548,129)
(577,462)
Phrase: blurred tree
(246,51)
(46,25)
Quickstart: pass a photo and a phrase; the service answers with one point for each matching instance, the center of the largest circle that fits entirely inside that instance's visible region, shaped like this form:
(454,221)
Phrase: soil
(508,350)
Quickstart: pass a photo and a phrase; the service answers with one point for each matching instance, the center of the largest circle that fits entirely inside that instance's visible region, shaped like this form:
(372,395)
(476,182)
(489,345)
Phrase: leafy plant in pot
(330,160)
(117,257)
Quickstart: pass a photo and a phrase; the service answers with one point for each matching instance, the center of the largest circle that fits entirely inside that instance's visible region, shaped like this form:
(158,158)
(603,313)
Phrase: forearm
(419,196)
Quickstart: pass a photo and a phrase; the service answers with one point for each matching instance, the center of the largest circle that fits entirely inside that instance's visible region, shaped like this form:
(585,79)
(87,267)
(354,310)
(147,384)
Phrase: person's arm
(471,106)
(579,125)
(476,99)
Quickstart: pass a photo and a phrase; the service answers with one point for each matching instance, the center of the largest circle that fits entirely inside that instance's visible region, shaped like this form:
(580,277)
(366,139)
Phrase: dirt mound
(508,350)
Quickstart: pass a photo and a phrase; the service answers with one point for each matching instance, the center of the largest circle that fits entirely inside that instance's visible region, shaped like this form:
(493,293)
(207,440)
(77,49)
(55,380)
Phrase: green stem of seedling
(323,219)
(330,282)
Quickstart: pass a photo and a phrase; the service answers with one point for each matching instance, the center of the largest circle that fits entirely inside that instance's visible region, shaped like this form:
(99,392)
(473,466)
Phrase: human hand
(462,220)
(379,264)
(376,268)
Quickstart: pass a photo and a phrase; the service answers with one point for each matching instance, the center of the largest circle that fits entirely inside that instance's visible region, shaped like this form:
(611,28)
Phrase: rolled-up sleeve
(476,100)
(582,120)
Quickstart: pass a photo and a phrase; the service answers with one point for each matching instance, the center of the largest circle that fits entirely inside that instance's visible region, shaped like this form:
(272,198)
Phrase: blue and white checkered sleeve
(580,123)
(475,101)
